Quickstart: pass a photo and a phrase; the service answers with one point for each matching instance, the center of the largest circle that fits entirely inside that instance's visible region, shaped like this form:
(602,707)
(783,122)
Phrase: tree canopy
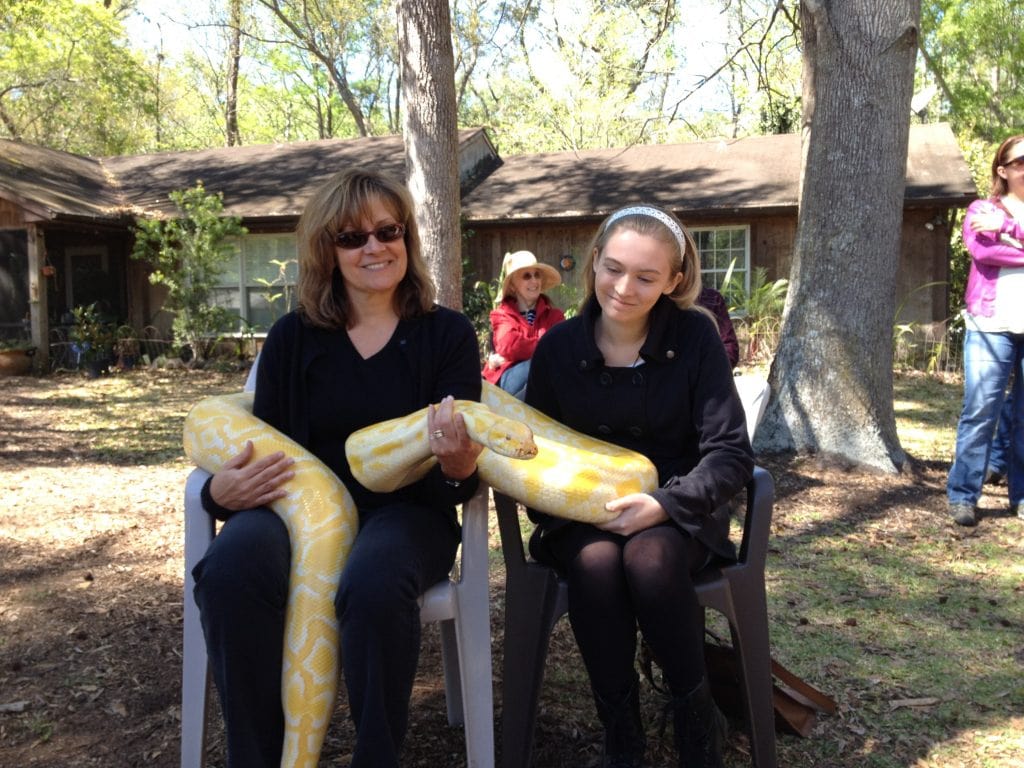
(607,74)
(69,79)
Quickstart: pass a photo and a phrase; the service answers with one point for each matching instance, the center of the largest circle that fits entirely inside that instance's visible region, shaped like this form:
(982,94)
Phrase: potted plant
(16,357)
(92,340)
(126,347)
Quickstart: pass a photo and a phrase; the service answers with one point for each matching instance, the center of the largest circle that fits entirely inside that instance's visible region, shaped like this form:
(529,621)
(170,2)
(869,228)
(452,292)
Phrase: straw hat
(518,260)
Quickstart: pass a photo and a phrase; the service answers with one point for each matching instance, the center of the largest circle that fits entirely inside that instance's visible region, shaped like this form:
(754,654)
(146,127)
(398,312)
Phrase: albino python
(567,474)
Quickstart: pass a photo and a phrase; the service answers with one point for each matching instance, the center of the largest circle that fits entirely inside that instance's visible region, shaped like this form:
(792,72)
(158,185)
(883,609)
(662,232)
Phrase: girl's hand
(449,442)
(637,512)
(245,484)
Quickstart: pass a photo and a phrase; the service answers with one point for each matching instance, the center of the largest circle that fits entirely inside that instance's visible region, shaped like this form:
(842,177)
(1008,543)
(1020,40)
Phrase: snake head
(512,439)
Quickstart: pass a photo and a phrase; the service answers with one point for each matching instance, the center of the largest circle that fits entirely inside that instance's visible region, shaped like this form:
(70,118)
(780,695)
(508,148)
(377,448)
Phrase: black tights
(617,584)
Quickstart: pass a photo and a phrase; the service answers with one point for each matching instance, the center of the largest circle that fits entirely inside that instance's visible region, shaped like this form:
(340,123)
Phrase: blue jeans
(989,361)
(242,590)
(513,380)
(999,456)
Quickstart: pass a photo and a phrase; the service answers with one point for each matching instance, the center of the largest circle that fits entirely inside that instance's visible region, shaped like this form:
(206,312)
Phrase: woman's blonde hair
(342,203)
(652,221)
(999,187)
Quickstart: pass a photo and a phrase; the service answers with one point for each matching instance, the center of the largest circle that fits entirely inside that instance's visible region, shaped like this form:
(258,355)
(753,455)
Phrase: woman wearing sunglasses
(366,344)
(994,340)
(523,316)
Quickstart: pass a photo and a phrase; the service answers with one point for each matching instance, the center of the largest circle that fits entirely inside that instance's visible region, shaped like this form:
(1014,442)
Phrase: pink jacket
(989,254)
(513,338)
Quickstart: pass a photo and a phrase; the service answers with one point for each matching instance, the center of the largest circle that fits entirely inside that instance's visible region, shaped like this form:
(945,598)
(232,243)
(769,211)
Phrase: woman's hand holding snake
(246,484)
(450,443)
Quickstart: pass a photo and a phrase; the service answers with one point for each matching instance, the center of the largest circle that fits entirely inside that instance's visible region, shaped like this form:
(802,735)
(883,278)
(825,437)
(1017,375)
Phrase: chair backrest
(753,391)
(250,380)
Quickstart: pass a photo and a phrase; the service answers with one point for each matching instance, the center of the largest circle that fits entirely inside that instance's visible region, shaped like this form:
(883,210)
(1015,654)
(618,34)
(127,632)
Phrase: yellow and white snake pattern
(565,474)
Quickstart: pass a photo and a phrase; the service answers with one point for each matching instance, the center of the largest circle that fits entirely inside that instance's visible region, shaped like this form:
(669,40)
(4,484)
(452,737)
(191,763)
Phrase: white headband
(654,213)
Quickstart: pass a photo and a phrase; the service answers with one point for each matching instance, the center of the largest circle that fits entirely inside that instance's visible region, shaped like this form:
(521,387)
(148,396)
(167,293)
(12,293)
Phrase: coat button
(583,365)
(670,354)
(636,431)
(604,429)
(605,379)
(638,379)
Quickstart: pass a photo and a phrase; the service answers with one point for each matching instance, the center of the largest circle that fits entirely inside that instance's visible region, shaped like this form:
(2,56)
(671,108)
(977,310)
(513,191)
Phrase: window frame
(241,288)
(747,267)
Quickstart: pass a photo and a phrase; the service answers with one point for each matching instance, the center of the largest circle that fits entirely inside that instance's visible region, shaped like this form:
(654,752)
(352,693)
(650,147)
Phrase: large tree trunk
(431,138)
(832,374)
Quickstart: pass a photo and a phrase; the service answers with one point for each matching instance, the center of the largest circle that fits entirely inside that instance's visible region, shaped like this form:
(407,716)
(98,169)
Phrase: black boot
(624,741)
(699,728)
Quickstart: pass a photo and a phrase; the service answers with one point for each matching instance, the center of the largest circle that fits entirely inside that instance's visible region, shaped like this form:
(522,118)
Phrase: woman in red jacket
(523,316)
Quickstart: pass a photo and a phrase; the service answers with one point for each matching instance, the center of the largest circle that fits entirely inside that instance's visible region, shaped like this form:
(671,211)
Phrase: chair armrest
(758,519)
(199,526)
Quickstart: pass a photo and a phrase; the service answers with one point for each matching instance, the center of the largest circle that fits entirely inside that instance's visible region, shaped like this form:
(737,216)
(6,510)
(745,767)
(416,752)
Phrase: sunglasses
(1017,162)
(386,234)
(535,275)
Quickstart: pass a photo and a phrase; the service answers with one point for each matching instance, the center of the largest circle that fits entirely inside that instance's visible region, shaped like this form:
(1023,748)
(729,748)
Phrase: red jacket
(513,338)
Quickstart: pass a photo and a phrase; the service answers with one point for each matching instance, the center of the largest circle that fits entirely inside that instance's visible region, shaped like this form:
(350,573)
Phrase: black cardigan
(679,408)
(439,356)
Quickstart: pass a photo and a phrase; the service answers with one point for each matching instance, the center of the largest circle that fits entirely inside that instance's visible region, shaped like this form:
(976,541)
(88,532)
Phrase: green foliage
(759,310)
(478,299)
(92,336)
(68,77)
(595,78)
(188,255)
(973,54)
(354,41)
(279,291)
(15,344)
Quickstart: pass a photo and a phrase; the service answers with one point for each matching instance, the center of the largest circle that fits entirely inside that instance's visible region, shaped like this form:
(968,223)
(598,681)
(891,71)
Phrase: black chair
(535,598)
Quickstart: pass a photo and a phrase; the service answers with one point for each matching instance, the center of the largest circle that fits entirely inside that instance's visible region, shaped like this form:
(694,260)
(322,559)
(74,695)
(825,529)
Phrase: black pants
(618,584)
(242,589)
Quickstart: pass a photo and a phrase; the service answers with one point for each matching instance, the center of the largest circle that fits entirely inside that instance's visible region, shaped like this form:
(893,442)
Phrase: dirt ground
(91,590)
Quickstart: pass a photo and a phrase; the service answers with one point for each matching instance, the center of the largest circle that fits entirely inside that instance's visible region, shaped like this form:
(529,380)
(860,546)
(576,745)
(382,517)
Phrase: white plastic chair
(753,392)
(461,604)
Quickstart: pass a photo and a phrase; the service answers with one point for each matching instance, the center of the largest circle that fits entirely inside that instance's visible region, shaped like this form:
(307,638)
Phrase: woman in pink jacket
(523,316)
(994,339)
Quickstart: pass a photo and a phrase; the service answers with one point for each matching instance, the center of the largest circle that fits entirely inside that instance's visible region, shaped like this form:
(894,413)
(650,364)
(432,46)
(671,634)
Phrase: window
(721,248)
(259,284)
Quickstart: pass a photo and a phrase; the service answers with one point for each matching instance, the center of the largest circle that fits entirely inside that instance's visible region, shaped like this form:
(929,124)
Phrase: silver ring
(437,434)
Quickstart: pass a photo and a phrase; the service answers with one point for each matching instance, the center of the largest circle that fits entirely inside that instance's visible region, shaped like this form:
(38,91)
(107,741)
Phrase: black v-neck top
(313,385)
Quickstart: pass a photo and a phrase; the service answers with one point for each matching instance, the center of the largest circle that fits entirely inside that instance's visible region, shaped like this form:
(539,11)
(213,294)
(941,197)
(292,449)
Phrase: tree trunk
(832,374)
(234,138)
(431,139)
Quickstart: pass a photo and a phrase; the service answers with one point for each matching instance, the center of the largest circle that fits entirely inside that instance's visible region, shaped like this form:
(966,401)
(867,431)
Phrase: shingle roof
(262,181)
(47,182)
(757,173)
(257,180)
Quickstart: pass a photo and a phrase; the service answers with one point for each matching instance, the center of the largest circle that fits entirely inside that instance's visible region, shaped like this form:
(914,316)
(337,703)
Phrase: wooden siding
(923,260)
(11,215)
